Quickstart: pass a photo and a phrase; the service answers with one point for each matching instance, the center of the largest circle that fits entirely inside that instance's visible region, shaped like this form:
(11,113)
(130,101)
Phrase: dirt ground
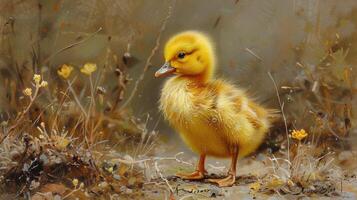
(154,177)
(249,170)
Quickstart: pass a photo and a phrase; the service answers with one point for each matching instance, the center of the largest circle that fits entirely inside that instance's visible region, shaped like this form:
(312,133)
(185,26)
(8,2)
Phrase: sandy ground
(248,169)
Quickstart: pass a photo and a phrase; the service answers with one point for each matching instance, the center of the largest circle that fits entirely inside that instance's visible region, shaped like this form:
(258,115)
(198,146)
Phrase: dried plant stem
(163,178)
(130,162)
(57,113)
(32,98)
(21,116)
(76,98)
(71,46)
(72,192)
(281,104)
(254,54)
(90,110)
(148,60)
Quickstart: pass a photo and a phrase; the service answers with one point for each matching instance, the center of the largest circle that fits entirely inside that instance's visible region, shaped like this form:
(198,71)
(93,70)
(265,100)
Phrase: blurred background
(309,46)
(88,131)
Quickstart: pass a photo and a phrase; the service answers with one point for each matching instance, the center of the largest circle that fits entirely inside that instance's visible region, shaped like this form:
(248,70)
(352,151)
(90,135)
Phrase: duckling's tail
(274,115)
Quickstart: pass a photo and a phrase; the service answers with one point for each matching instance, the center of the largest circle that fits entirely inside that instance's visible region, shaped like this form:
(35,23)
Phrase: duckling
(212,116)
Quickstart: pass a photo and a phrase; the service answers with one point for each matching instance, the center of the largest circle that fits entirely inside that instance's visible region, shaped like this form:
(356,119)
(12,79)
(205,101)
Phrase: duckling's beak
(166,69)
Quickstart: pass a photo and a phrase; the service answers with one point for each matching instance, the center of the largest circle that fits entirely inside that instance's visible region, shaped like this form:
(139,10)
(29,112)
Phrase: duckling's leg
(231,178)
(199,173)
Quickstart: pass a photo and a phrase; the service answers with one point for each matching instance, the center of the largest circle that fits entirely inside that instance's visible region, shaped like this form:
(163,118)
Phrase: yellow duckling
(213,117)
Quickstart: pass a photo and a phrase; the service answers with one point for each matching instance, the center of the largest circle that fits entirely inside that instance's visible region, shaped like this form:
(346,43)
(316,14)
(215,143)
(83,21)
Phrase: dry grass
(323,87)
(74,159)
(71,137)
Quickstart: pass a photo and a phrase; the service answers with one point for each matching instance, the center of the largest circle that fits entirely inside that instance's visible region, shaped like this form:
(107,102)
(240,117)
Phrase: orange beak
(165,70)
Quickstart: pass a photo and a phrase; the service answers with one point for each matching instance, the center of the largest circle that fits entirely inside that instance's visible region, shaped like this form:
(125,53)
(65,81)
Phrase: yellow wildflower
(75,182)
(44,84)
(275,183)
(65,71)
(255,186)
(110,169)
(61,142)
(27,91)
(89,68)
(37,78)
(299,134)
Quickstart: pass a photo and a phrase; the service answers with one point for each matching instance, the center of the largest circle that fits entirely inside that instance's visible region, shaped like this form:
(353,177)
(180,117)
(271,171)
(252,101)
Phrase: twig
(277,159)
(282,112)
(148,60)
(71,45)
(130,162)
(76,98)
(91,110)
(254,54)
(220,168)
(22,115)
(163,178)
(72,192)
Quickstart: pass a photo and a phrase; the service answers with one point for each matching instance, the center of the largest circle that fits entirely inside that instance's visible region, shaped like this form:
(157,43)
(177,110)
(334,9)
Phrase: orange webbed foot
(231,178)
(200,172)
(224,182)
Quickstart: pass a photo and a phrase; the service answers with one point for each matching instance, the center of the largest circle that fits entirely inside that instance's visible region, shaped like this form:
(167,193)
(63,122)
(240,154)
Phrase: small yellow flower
(255,186)
(62,143)
(89,68)
(65,71)
(299,134)
(44,84)
(27,91)
(110,169)
(275,183)
(75,182)
(37,78)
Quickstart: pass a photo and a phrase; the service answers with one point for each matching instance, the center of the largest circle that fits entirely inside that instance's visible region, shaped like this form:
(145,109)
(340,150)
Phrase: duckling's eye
(181,55)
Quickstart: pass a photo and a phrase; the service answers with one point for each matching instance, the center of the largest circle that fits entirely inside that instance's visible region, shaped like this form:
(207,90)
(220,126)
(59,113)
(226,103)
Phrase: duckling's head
(189,53)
